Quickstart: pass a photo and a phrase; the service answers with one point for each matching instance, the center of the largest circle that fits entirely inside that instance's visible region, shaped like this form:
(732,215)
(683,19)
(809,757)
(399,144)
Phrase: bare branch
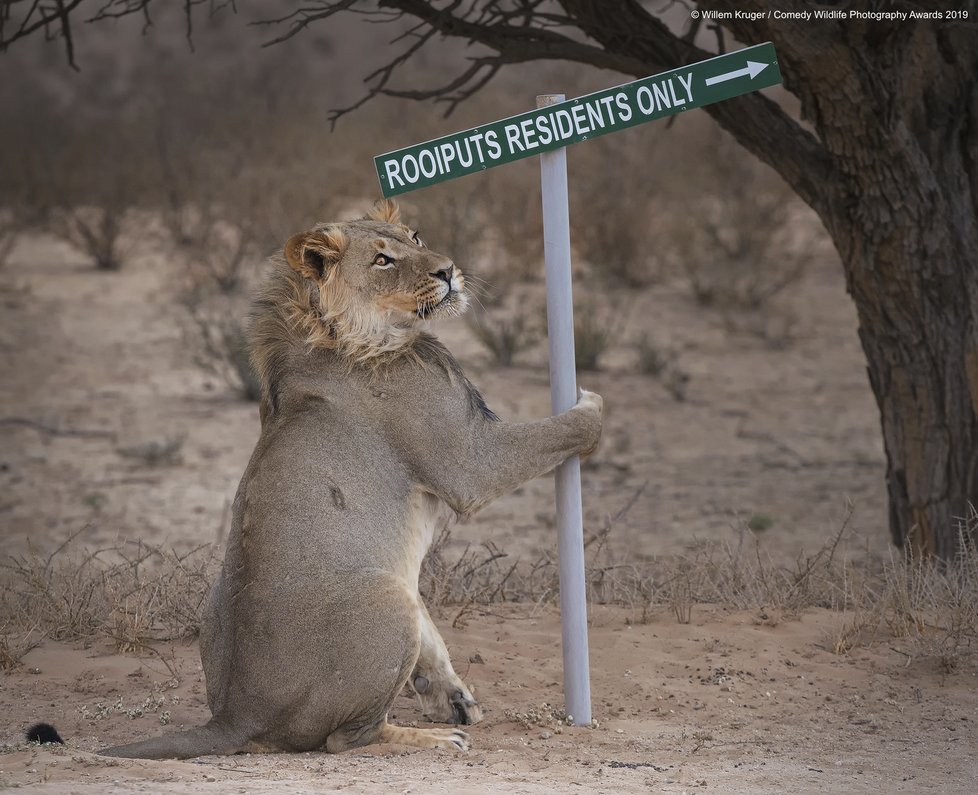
(39,17)
(66,32)
(621,36)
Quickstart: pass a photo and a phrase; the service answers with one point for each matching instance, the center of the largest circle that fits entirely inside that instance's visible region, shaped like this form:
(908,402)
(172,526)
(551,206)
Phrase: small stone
(545,735)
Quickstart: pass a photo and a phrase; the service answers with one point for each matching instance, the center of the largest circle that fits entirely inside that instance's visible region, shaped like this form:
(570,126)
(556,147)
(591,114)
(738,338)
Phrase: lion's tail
(209,739)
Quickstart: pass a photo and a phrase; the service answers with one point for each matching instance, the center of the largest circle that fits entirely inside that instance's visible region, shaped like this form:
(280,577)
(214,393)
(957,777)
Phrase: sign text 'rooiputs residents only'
(575,120)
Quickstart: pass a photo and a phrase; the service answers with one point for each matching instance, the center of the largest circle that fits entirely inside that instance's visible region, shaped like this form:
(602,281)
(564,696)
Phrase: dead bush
(133,594)
(10,229)
(504,334)
(594,331)
(221,255)
(95,231)
(217,335)
(155,452)
(931,606)
(615,226)
(653,359)
(745,239)
(94,177)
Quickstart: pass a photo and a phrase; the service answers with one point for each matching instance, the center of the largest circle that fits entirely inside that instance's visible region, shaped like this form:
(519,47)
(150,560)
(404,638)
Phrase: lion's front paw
(590,400)
(592,404)
(447,702)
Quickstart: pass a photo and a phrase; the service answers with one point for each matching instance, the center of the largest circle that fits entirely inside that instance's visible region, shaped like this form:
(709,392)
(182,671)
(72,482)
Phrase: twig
(54,431)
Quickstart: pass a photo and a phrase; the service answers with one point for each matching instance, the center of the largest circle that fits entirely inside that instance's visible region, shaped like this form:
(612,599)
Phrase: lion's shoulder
(433,353)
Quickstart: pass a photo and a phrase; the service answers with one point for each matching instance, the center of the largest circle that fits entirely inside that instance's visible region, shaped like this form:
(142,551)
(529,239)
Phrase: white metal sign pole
(563,395)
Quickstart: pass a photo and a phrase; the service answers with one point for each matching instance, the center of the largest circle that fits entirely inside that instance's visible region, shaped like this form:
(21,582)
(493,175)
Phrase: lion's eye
(417,239)
(383,262)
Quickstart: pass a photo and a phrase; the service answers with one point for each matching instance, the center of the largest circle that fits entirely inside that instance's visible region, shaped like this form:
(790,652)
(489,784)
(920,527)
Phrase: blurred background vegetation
(215,153)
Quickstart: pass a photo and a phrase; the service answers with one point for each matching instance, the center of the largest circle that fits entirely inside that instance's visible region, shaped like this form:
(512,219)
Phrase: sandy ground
(736,702)
(728,703)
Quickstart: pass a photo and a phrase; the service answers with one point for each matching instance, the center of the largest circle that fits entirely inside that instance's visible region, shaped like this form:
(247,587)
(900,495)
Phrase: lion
(368,427)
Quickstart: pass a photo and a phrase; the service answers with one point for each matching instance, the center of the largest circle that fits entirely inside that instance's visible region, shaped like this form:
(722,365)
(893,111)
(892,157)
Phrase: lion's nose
(445,274)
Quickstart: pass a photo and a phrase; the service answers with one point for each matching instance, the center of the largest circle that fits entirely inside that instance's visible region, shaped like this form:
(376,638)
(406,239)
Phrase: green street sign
(600,113)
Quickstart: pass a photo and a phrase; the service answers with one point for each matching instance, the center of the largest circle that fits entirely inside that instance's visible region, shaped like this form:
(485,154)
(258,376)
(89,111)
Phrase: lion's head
(376,274)
(359,287)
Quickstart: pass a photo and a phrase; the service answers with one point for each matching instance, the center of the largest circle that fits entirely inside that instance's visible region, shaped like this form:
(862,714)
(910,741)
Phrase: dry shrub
(505,333)
(219,254)
(474,575)
(15,643)
(452,219)
(743,238)
(743,575)
(486,574)
(653,359)
(94,177)
(594,331)
(11,228)
(616,228)
(25,166)
(95,231)
(133,594)
(218,337)
(8,239)
(932,606)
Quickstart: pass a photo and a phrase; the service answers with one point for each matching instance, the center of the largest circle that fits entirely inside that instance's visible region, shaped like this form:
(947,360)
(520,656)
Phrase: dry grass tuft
(133,594)
(137,595)
(932,607)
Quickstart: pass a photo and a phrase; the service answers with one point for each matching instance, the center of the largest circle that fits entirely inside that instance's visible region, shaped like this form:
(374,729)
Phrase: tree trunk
(902,128)
(918,335)
(912,277)
(896,109)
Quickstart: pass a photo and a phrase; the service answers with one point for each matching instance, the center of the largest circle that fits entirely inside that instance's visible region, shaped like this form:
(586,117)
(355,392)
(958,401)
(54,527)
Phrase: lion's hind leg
(443,695)
(348,737)
(377,620)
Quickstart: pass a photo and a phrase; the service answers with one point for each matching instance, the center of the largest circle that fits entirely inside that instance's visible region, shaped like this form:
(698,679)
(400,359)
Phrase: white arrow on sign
(753,69)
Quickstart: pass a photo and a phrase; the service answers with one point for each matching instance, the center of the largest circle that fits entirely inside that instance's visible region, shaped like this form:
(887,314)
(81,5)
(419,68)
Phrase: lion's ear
(313,254)
(386,211)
